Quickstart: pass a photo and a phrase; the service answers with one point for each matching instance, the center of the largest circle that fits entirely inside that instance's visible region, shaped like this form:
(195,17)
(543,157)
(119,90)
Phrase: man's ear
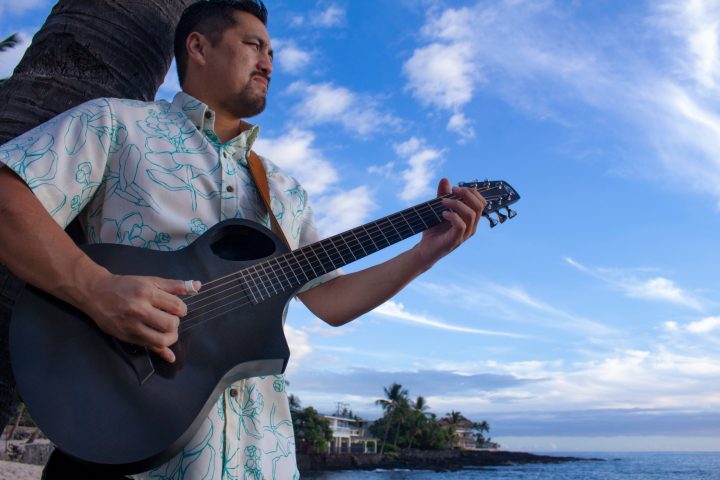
(196,46)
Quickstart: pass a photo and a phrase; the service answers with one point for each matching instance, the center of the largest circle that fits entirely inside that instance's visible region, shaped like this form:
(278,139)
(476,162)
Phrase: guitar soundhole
(241,243)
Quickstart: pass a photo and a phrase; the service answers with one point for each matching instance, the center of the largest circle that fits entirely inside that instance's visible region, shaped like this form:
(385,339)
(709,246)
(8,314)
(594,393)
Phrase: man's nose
(265,65)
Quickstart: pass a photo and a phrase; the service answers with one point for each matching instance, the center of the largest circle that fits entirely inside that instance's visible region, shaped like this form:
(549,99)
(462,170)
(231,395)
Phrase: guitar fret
(251,288)
(298,267)
(420,217)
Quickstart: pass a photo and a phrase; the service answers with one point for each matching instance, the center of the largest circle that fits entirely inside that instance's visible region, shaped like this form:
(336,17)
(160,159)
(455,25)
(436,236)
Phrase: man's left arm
(346,297)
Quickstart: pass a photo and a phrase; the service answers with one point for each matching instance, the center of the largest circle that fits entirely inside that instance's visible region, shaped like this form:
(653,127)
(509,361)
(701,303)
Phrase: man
(157,175)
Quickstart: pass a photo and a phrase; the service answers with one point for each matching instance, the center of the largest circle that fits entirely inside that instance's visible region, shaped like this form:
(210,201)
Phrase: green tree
(312,430)
(394,403)
(417,420)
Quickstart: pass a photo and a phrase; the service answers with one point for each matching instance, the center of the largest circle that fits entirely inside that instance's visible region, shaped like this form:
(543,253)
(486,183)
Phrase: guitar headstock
(499,195)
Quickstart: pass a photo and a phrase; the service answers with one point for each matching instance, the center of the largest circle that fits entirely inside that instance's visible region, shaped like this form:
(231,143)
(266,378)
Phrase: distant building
(351,435)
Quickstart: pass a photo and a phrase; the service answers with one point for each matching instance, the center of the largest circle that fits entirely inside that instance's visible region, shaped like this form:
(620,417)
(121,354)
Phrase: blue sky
(591,320)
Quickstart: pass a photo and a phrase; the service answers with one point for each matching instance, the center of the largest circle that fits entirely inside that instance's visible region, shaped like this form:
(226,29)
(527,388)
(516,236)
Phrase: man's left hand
(462,219)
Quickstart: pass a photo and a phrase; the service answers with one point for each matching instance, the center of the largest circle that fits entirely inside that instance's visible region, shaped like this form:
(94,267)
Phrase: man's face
(240,66)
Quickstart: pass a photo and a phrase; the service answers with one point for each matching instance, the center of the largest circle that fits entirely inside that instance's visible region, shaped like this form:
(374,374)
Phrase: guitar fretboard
(296,268)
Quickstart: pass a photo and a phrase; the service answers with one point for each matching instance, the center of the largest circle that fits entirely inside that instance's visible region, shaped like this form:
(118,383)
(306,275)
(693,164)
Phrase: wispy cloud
(397,311)
(295,152)
(16,8)
(422,164)
(343,210)
(515,303)
(542,58)
(443,74)
(289,57)
(328,16)
(700,327)
(657,288)
(332,16)
(327,103)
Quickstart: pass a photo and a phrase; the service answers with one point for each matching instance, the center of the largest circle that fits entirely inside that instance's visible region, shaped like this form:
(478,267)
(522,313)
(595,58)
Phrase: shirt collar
(204,120)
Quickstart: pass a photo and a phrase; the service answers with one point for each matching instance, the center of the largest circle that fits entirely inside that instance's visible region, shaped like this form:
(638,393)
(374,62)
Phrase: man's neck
(227,128)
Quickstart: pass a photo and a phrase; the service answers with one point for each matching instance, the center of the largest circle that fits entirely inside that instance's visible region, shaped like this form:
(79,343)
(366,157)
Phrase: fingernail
(192,287)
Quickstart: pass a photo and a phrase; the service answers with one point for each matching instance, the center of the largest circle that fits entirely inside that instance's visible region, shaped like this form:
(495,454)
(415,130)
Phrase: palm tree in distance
(396,398)
(419,409)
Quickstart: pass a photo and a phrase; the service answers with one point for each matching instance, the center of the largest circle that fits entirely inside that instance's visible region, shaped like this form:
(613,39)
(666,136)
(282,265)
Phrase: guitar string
(205,286)
(269,284)
(232,277)
(235,276)
(200,313)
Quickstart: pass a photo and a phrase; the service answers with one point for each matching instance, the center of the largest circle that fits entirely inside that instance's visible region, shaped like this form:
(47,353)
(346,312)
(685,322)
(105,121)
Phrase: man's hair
(210,18)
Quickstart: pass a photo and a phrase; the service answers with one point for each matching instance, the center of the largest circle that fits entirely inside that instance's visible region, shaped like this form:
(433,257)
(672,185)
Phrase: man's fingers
(444,187)
(178,287)
(165,353)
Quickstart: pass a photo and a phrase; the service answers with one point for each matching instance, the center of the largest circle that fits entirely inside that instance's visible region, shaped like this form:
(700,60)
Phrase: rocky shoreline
(439,461)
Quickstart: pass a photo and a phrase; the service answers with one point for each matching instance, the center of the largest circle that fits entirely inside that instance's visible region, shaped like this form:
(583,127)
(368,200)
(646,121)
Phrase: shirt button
(230,188)
(208,114)
(233,392)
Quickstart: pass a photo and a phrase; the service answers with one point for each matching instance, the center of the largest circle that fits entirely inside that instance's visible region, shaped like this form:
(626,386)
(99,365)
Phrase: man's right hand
(141,310)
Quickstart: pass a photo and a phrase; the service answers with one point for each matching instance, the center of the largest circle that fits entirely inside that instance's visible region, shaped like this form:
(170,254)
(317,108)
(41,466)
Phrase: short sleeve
(63,160)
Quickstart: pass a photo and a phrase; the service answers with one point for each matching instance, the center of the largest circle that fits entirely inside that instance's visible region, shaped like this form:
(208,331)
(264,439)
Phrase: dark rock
(437,460)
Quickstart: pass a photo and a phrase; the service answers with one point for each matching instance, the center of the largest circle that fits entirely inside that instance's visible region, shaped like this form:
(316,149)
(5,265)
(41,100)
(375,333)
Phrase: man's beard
(249,103)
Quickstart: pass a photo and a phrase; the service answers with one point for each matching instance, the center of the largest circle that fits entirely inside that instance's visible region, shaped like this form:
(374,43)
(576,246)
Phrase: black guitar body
(105,402)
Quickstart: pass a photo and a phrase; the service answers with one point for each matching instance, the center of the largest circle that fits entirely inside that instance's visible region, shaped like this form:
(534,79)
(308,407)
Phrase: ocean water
(616,466)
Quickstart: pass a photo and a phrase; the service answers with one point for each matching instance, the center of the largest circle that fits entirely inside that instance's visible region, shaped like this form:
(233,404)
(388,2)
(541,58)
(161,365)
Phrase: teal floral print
(155,175)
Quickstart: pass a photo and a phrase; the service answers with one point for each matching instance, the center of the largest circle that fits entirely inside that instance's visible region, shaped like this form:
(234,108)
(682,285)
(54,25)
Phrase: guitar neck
(295,269)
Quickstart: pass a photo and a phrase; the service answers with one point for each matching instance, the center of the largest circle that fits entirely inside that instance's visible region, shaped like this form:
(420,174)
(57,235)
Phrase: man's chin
(250,108)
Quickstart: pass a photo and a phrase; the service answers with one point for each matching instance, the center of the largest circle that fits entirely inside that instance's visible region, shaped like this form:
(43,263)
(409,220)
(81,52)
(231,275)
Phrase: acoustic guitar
(110,403)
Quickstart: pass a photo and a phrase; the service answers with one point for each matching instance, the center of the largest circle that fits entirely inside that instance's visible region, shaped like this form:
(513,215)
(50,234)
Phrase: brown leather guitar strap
(259,175)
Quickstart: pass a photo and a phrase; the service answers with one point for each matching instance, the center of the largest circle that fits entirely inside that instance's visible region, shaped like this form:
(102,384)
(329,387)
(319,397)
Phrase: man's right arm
(140,310)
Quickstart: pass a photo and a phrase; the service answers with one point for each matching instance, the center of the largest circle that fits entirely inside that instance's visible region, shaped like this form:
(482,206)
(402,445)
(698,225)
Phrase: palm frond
(9,42)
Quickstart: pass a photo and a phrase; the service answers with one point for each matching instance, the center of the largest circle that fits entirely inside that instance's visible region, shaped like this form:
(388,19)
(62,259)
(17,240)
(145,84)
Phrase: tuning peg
(501,217)
(492,221)
(510,213)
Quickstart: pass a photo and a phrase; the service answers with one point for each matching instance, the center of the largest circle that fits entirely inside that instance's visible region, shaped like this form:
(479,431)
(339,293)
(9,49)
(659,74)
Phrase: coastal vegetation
(405,424)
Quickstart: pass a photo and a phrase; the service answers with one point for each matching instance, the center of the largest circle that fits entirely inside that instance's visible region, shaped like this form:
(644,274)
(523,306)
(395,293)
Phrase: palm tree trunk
(86,49)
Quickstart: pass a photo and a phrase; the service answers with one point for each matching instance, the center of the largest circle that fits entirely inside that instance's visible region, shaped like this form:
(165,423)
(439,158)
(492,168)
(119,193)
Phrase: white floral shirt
(155,175)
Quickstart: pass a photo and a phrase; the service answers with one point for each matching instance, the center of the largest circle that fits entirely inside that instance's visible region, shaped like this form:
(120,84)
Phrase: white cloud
(515,304)
(706,325)
(655,72)
(658,288)
(460,124)
(289,57)
(442,75)
(343,210)
(299,343)
(295,153)
(332,16)
(423,163)
(699,327)
(20,7)
(327,103)
(171,84)
(382,170)
(397,310)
